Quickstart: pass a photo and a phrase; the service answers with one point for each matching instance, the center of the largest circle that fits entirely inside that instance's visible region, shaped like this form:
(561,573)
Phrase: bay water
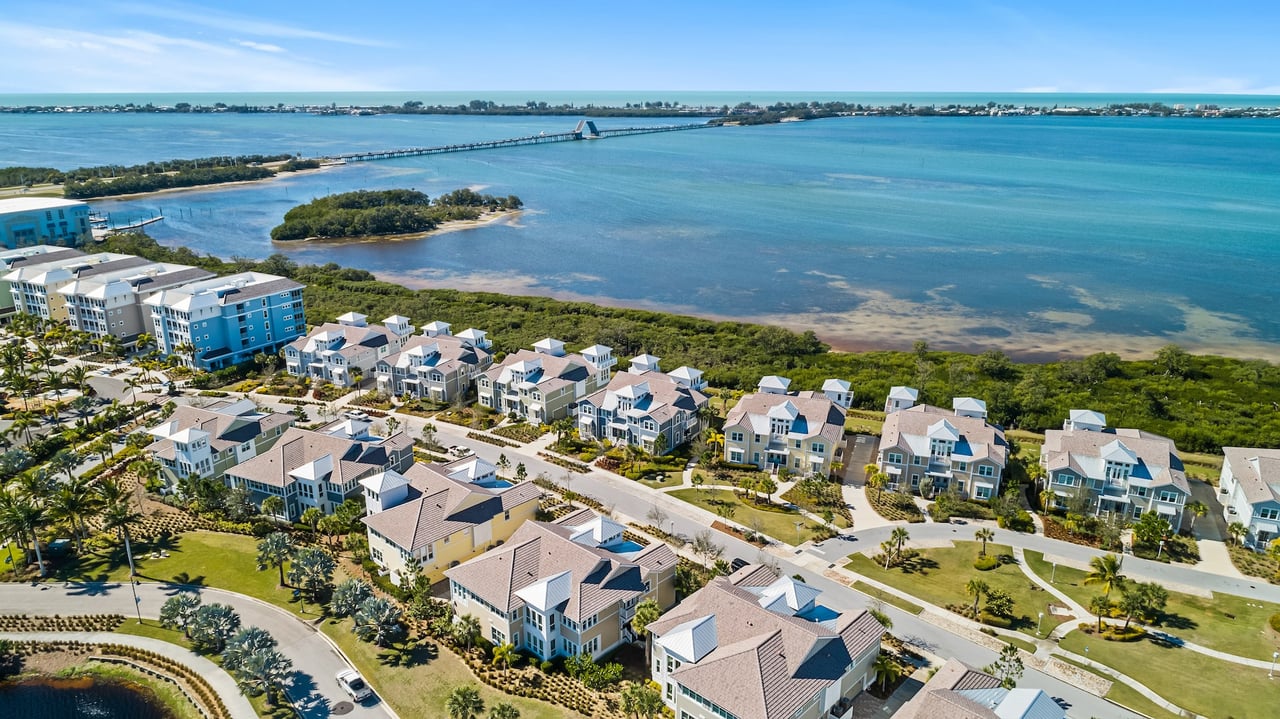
(1036,235)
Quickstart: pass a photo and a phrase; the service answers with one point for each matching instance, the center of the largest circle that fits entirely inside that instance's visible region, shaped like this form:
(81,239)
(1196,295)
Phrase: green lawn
(1193,681)
(421,690)
(939,576)
(887,597)
(211,559)
(778,523)
(1125,695)
(1225,622)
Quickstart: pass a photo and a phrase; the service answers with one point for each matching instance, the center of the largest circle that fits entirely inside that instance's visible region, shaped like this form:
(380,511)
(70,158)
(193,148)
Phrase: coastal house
(435,365)
(565,587)
(111,303)
(342,351)
(544,385)
(645,408)
(207,441)
(754,645)
(33,286)
(958,691)
(25,257)
(775,428)
(901,398)
(1123,472)
(27,221)
(439,515)
(1250,487)
(224,321)
(320,468)
(928,449)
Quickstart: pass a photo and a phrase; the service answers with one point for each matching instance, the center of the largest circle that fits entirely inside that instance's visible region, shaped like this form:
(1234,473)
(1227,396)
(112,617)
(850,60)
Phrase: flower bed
(1254,564)
(565,462)
(895,506)
(490,440)
(522,432)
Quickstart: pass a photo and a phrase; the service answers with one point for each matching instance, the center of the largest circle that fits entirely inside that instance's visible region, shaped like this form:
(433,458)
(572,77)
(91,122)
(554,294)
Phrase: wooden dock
(586,130)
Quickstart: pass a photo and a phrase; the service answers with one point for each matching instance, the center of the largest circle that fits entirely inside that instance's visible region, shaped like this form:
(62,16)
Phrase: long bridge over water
(586,130)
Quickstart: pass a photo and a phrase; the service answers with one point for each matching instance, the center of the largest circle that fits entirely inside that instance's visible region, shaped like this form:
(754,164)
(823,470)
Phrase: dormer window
(1118,471)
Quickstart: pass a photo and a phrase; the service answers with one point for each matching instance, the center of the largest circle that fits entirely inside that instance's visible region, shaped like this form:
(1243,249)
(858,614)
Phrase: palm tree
(886,669)
(464,703)
(133,383)
(66,460)
(72,503)
(262,672)
(1105,571)
(503,710)
(24,516)
(641,700)
(976,588)
(899,536)
(1237,531)
(1100,605)
(1196,509)
(1047,498)
(312,570)
(178,611)
(143,341)
(348,596)
(378,620)
(273,506)
(984,535)
(212,625)
(117,517)
(877,481)
(466,629)
(647,612)
(245,642)
(23,422)
(505,654)
(274,550)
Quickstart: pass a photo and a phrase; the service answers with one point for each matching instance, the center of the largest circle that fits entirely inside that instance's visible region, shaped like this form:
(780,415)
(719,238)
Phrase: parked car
(355,414)
(353,684)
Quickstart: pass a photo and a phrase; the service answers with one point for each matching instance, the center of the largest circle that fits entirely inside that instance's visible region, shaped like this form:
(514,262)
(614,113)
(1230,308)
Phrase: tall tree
(976,588)
(984,535)
(263,672)
(178,611)
(312,571)
(378,620)
(1105,572)
(466,629)
(348,596)
(211,626)
(464,703)
(274,550)
(647,612)
(243,643)
(1007,667)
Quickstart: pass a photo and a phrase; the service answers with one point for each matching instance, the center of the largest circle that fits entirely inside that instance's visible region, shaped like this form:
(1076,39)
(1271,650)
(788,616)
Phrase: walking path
(221,682)
(316,660)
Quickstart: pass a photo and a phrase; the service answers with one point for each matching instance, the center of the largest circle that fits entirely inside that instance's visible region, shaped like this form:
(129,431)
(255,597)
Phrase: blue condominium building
(224,321)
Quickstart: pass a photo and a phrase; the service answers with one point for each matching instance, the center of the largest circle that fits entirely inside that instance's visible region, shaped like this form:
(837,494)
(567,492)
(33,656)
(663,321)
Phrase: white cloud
(207,17)
(260,46)
(56,59)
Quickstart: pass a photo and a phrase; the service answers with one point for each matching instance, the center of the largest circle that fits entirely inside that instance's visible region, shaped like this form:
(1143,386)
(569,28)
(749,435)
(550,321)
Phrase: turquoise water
(1036,235)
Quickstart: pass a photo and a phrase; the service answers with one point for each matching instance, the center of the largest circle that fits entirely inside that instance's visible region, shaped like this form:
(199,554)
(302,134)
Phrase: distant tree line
(131,184)
(1201,402)
(367,213)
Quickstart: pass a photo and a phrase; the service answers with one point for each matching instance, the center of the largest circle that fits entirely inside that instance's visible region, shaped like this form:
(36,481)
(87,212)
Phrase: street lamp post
(137,603)
(799,523)
(1039,623)
(1272,674)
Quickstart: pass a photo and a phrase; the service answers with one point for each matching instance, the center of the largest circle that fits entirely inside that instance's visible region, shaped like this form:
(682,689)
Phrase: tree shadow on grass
(182,578)
(916,565)
(413,654)
(1177,621)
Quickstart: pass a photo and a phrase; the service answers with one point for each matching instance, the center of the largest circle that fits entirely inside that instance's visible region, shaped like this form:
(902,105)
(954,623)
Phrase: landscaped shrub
(1275,621)
(987,563)
(1020,522)
(895,506)
(995,621)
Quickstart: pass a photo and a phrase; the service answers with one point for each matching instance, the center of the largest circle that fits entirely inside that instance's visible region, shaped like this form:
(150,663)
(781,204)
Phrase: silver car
(353,684)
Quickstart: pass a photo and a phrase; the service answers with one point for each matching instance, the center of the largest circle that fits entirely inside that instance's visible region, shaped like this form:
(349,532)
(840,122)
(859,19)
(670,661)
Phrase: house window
(986,470)
(735,457)
(1269,513)
(1066,480)
(817,448)
(961,466)
(918,461)
(893,458)
(735,436)
(982,493)
(1170,497)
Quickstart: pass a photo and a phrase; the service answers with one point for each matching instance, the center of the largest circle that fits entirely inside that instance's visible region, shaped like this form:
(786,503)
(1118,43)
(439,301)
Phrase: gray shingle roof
(1260,480)
(820,415)
(352,459)
(909,428)
(1081,449)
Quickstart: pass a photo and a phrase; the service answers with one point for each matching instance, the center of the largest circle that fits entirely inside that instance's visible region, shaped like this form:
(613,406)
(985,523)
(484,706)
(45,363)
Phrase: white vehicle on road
(354,685)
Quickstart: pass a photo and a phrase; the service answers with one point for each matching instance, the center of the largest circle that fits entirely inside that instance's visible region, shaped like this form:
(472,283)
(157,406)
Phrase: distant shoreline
(206,188)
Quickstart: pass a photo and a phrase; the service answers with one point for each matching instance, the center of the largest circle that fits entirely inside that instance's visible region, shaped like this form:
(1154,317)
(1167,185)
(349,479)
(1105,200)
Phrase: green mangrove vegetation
(1201,402)
(369,213)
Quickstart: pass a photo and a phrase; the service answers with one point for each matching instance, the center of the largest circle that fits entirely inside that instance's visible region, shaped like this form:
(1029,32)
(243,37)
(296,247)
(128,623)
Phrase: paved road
(314,690)
(687,521)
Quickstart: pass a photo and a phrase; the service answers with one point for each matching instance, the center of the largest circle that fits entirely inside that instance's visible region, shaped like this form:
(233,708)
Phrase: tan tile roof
(1158,454)
(1260,482)
(352,459)
(778,661)
(556,371)
(225,430)
(822,417)
(540,549)
(452,352)
(905,428)
(667,396)
(439,506)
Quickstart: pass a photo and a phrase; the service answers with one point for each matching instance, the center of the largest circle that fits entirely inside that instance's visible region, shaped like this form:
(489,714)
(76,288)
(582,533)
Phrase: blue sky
(856,45)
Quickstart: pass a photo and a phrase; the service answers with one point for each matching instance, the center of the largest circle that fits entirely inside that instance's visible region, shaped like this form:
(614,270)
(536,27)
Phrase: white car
(352,683)
(355,414)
